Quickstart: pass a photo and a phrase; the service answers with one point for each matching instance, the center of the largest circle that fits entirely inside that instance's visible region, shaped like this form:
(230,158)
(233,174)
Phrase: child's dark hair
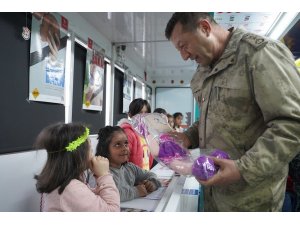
(169,115)
(177,114)
(105,135)
(62,166)
(160,110)
(136,106)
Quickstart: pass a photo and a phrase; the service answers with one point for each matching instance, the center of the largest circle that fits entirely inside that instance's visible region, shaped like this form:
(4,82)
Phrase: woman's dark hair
(105,135)
(188,20)
(62,166)
(136,106)
(160,110)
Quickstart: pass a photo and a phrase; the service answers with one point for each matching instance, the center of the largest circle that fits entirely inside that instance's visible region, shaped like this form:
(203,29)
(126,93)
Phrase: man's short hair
(188,21)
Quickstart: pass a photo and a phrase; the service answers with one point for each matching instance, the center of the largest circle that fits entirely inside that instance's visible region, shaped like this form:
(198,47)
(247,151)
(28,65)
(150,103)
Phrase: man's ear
(205,26)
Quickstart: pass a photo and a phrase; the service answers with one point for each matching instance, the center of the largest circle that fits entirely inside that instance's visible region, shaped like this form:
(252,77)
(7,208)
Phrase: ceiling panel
(258,23)
(143,33)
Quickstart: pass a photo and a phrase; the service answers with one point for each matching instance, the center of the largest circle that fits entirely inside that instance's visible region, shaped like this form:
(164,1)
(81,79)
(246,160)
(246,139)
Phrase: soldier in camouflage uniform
(248,89)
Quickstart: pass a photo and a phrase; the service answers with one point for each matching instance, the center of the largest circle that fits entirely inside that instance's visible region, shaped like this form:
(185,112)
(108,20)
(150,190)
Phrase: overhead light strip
(284,23)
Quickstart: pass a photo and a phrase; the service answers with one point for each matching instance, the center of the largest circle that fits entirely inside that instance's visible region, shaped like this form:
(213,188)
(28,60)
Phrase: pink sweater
(78,197)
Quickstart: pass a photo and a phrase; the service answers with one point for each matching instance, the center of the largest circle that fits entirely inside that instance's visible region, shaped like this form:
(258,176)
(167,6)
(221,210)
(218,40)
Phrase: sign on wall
(94,81)
(138,91)
(47,58)
(127,92)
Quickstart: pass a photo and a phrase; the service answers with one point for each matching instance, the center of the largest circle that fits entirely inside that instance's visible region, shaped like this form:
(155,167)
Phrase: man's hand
(228,173)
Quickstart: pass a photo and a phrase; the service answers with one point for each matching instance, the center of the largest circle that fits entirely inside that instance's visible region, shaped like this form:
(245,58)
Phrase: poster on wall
(138,91)
(127,92)
(94,81)
(47,58)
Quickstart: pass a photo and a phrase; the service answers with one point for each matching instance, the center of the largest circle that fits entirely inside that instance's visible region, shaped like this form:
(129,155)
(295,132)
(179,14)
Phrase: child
(177,121)
(170,120)
(69,154)
(139,151)
(132,181)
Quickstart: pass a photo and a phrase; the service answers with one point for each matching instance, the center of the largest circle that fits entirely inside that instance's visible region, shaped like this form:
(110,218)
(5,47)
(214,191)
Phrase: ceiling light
(109,15)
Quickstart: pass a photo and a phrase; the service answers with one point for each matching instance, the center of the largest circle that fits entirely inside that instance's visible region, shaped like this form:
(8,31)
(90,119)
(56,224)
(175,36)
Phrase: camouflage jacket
(250,108)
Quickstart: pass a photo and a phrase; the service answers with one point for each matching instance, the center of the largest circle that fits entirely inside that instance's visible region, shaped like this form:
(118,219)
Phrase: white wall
(172,81)
(176,100)
(17,189)
(168,81)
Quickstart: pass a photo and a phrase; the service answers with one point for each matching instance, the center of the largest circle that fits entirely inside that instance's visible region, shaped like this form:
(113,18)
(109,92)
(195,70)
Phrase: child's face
(178,120)
(118,150)
(171,121)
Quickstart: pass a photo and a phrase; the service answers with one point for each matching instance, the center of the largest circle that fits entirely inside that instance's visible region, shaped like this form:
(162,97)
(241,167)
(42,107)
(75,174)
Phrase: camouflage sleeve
(193,134)
(276,84)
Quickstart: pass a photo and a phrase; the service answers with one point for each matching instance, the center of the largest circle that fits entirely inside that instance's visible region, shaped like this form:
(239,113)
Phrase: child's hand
(149,185)
(99,166)
(142,190)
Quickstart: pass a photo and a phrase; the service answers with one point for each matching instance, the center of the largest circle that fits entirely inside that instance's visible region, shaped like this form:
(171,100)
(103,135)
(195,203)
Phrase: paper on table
(140,203)
(146,203)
